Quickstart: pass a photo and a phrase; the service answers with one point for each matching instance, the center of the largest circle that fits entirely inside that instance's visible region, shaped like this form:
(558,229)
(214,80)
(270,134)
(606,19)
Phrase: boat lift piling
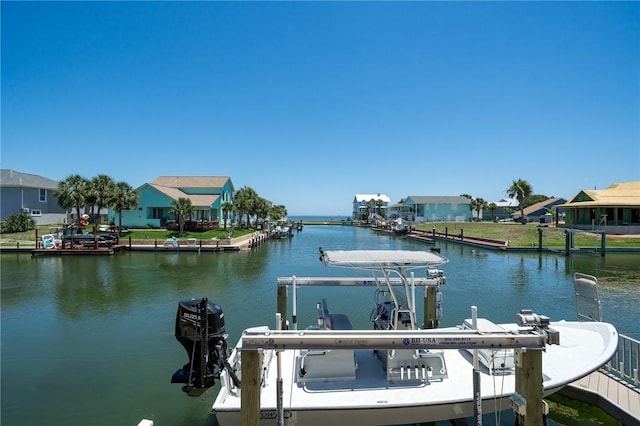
(527,402)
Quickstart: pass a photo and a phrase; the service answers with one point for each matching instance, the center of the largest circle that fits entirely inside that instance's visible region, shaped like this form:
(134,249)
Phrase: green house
(615,210)
(207,194)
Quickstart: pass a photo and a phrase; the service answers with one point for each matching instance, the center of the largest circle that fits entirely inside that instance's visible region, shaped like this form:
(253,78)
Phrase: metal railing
(625,363)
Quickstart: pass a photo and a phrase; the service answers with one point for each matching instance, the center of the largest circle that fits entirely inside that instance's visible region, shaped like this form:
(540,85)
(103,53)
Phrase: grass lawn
(29,237)
(526,235)
(518,235)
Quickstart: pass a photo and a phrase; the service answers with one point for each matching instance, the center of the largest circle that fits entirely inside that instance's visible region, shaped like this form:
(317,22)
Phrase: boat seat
(327,365)
(340,322)
(329,321)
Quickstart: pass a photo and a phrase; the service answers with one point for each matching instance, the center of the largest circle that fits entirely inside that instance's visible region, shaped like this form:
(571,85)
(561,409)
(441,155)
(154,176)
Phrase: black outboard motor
(200,330)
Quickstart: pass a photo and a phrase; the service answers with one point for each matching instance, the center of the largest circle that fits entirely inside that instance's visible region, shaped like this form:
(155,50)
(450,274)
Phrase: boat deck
(617,398)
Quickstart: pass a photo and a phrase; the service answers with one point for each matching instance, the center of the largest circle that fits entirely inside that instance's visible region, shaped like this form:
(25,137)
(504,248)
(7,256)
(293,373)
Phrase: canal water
(90,340)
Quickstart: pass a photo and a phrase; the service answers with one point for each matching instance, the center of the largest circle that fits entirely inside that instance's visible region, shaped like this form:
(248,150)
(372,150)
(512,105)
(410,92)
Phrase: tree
(227,208)
(492,207)
(473,205)
(379,204)
(262,207)
(520,190)
(277,212)
(370,205)
(244,201)
(182,207)
(123,198)
(481,205)
(102,188)
(71,193)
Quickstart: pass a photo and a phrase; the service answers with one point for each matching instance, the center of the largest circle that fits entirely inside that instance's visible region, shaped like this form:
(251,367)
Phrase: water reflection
(81,335)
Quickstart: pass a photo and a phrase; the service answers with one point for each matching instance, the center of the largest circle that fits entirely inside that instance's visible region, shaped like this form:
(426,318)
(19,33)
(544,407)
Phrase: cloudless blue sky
(310,103)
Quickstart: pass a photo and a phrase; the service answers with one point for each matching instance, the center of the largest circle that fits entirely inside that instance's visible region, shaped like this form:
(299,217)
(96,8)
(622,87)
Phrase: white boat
(332,374)
(281,231)
(400,226)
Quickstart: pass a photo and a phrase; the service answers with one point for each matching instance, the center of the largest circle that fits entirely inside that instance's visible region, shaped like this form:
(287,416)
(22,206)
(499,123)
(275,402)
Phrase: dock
(460,238)
(614,396)
(100,251)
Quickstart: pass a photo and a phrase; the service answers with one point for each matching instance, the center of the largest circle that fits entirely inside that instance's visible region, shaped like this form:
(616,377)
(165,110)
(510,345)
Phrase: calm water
(89,340)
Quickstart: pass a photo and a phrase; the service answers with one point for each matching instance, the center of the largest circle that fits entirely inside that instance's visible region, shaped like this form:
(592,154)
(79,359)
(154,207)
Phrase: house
(615,209)
(503,209)
(418,209)
(367,204)
(30,194)
(541,211)
(207,194)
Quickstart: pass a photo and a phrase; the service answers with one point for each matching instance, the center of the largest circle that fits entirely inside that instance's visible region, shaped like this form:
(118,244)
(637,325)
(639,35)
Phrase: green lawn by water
(517,235)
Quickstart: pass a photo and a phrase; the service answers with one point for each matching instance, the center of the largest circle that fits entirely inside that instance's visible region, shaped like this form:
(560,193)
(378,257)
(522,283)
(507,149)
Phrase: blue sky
(310,103)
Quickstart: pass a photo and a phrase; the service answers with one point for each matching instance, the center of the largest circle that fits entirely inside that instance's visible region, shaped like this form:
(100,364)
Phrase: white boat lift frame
(528,343)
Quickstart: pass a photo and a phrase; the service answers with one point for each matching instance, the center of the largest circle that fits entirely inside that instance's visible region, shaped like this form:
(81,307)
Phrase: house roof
(618,194)
(198,200)
(11,178)
(507,202)
(436,199)
(174,186)
(367,197)
(542,205)
(191,181)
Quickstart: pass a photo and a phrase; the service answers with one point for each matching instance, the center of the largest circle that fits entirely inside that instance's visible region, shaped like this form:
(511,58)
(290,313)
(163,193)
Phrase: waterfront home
(615,210)
(207,194)
(418,209)
(503,209)
(369,204)
(30,194)
(542,212)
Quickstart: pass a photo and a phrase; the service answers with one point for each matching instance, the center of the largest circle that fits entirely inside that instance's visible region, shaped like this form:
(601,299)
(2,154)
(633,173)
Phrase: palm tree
(520,189)
(227,208)
(379,204)
(262,207)
(277,212)
(71,193)
(102,188)
(244,201)
(492,207)
(182,207)
(481,205)
(473,205)
(123,197)
(370,205)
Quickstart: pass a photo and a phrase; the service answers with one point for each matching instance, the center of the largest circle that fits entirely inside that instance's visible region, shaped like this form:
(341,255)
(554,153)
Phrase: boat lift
(528,342)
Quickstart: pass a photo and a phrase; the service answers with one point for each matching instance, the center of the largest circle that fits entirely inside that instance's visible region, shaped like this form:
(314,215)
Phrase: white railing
(625,362)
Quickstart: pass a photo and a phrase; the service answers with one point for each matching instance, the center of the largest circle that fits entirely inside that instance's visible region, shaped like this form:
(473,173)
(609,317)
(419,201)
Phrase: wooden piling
(430,315)
(529,386)
(282,306)
(250,394)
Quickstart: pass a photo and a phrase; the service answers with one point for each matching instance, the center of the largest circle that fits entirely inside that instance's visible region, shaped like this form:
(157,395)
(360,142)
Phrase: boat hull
(368,399)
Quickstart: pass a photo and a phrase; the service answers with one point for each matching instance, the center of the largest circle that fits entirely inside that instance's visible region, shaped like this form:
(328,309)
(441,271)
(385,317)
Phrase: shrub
(18,222)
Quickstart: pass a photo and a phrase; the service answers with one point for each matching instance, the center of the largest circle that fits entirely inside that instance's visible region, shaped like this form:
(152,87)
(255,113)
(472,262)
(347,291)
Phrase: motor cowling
(200,330)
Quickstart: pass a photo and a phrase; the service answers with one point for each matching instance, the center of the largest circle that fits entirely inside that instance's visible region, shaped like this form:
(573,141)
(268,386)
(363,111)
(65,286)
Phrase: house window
(43,195)
(35,212)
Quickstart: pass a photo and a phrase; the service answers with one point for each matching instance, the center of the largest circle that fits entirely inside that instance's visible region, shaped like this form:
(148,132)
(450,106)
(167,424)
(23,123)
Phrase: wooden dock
(617,398)
(100,251)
